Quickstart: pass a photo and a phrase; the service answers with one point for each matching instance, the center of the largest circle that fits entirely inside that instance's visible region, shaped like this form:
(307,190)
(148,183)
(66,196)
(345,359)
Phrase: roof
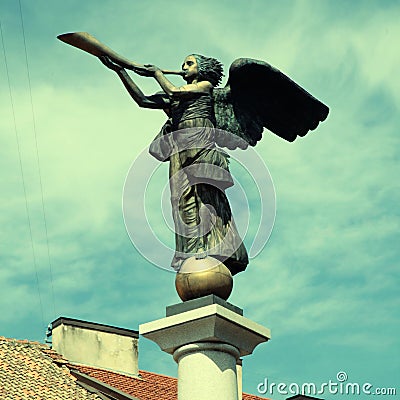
(31,370)
(148,386)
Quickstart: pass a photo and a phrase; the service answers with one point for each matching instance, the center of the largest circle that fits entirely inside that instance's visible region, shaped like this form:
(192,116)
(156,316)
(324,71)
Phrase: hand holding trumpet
(148,70)
(109,64)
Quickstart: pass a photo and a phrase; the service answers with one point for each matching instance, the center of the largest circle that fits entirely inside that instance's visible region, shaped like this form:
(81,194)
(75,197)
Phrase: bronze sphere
(200,277)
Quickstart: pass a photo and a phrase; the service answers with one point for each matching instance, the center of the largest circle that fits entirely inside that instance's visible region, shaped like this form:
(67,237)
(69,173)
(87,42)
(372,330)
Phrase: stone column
(239,378)
(207,371)
(206,337)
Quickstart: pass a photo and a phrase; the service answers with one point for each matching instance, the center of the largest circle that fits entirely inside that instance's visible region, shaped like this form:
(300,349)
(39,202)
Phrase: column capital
(212,323)
(203,347)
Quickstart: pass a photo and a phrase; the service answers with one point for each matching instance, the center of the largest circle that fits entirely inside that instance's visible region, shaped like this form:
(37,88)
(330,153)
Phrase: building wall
(94,348)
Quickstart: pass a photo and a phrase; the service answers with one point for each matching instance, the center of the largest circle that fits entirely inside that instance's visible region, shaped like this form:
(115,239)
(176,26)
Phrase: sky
(326,283)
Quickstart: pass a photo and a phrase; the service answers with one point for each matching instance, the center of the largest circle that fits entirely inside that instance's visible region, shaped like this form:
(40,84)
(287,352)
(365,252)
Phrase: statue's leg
(185,211)
(222,239)
(189,219)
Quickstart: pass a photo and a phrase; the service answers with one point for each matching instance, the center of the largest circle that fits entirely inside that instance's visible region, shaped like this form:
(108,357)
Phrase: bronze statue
(201,120)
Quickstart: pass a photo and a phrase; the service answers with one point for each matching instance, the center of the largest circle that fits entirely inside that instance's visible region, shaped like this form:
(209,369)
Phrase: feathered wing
(259,96)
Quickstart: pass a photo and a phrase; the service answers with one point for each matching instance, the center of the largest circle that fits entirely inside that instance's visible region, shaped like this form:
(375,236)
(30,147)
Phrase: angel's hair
(210,69)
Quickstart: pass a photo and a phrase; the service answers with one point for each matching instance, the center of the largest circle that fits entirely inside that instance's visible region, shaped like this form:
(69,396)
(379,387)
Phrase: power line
(38,161)
(22,175)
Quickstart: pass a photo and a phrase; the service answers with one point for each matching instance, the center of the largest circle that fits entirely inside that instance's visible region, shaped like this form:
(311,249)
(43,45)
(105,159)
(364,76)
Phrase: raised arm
(175,91)
(180,91)
(155,101)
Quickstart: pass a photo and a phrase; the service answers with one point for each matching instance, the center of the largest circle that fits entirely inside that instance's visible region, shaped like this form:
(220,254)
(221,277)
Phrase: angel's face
(190,68)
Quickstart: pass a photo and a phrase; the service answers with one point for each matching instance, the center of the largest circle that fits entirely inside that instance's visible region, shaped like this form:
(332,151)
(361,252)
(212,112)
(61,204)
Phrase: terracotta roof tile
(144,388)
(31,370)
(149,387)
(28,371)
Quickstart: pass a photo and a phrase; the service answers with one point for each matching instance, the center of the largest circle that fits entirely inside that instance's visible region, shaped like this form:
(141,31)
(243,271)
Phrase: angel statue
(256,96)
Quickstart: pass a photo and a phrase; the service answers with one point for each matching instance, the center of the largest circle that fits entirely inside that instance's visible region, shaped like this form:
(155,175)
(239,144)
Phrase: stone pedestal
(206,337)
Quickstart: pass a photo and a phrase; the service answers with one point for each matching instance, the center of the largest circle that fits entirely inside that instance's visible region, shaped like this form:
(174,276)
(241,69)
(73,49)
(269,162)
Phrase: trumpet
(86,42)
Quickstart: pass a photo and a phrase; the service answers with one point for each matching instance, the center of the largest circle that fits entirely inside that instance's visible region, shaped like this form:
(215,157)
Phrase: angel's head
(203,69)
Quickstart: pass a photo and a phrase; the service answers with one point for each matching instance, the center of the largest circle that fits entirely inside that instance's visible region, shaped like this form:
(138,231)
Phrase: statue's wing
(258,95)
